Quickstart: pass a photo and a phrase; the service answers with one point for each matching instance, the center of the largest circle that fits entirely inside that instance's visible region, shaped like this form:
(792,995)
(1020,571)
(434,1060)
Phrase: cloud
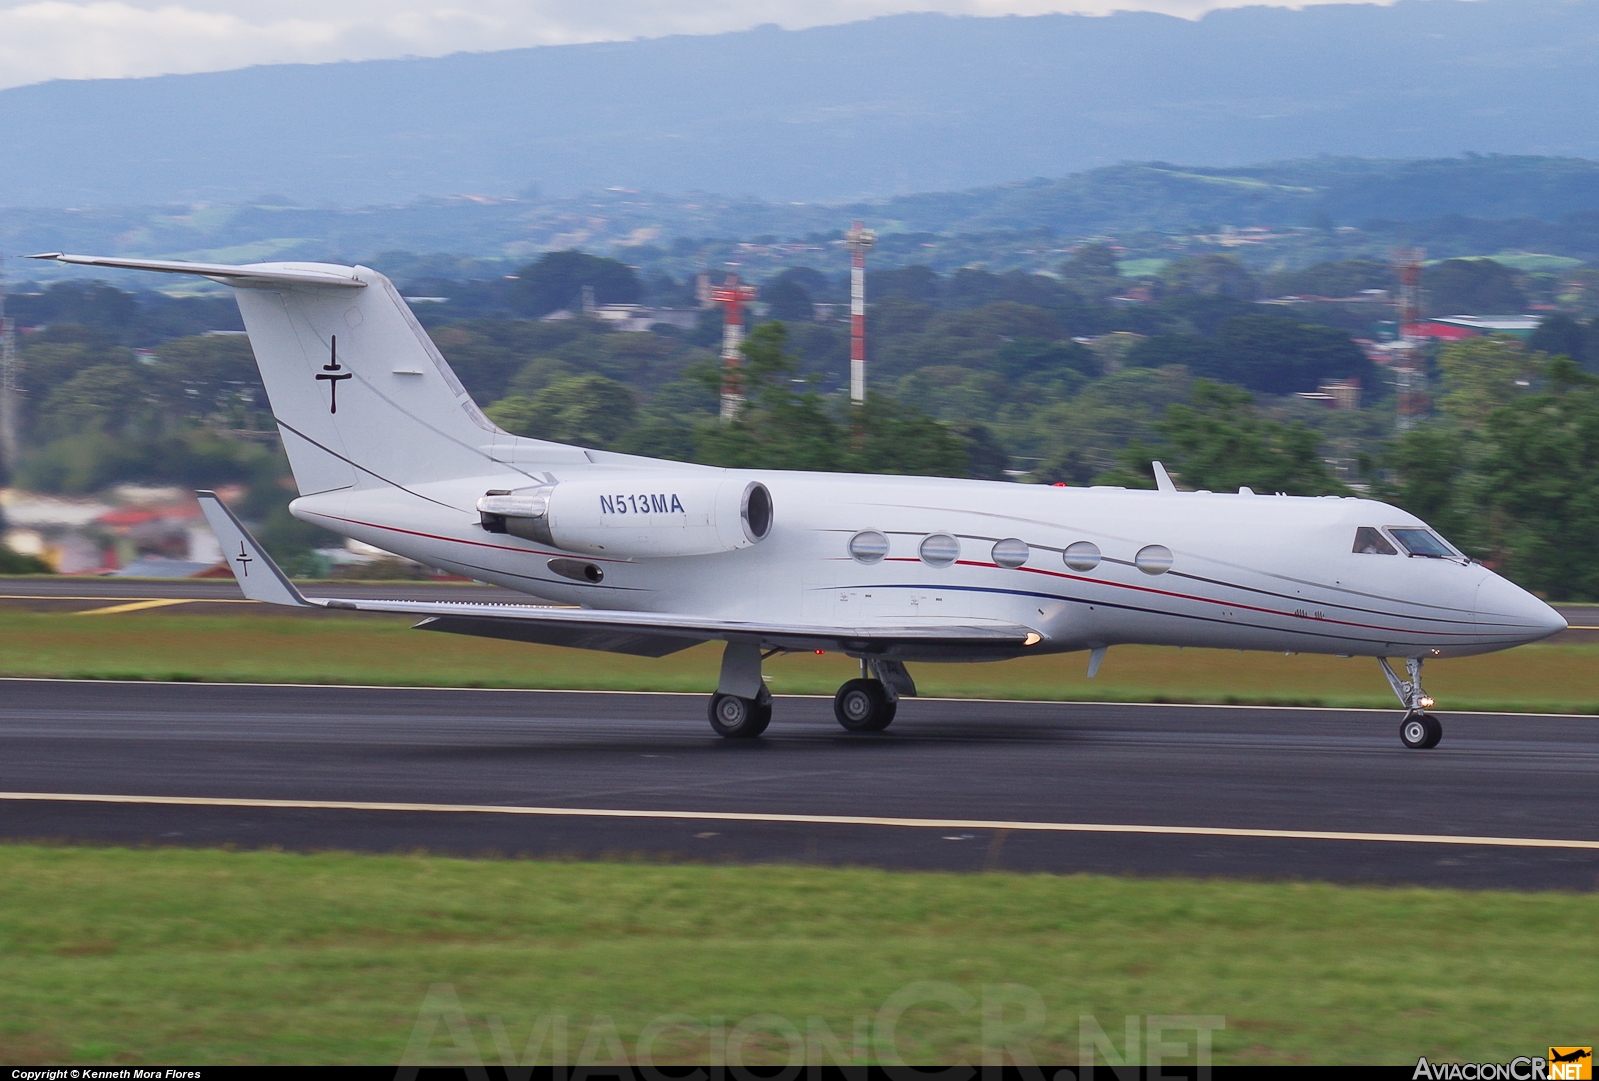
(61,39)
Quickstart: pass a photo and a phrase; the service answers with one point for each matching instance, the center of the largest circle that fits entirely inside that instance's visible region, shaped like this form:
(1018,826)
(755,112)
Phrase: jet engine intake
(637,516)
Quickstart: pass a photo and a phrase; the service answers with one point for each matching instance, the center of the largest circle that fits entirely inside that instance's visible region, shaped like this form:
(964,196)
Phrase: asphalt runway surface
(960,786)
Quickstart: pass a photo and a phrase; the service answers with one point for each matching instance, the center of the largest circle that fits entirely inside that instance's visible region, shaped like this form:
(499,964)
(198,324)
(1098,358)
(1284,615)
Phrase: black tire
(1420,731)
(733,717)
(862,705)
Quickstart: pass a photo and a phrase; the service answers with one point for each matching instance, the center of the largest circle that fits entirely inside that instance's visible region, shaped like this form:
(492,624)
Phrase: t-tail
(361,394)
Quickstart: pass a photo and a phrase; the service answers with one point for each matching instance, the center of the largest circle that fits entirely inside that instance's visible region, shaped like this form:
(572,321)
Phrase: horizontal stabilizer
(259,274)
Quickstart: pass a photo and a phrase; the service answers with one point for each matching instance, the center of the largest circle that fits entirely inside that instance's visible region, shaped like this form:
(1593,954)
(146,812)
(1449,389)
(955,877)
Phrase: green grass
(204,956)
(256,647)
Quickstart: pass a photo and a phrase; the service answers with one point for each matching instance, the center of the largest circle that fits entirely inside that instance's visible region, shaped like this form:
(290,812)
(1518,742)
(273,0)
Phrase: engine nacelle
(640,516)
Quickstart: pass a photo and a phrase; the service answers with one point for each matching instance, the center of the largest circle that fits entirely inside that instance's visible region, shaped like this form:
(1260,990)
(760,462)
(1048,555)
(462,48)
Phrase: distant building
(632,318)
(1454,328)
(1335,394)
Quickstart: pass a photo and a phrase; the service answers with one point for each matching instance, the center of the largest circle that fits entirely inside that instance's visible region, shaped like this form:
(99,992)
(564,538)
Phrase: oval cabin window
(1011,552)
(1153,559)
(940,550)
(868,546)
(1081,555)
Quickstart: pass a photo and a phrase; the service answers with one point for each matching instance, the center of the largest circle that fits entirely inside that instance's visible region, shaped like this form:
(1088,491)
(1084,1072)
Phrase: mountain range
(863,110)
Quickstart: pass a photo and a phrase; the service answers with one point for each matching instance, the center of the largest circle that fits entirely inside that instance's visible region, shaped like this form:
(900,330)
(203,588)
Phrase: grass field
(382,650)
(194,956)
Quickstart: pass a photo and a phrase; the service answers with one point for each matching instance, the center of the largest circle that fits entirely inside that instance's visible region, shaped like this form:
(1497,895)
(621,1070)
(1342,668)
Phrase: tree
(105,398)
(1220,275)
(584,410)
(556,281)
(1481,375)
(1340,279)
(1092,272)
(1430,467)
(1219,442)
(1472,287)
(789,300)
(1561,335)
(920,283)
(1540,484)
(1272,355)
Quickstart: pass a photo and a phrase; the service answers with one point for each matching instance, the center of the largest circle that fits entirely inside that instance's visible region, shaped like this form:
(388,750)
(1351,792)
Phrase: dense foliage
(1077,377)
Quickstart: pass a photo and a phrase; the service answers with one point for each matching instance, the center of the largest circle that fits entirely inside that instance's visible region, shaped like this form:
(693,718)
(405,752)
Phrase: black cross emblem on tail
(333,372)
(243,560)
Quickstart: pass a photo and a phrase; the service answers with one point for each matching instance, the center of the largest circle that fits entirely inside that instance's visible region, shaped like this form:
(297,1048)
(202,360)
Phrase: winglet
(258,576)
(1162,481)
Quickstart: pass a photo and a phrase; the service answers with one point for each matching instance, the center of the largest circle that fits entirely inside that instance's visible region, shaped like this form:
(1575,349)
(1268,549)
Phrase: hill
(900,104)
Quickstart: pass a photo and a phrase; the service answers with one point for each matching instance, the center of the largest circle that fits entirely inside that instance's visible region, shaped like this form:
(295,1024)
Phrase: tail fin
(361,394)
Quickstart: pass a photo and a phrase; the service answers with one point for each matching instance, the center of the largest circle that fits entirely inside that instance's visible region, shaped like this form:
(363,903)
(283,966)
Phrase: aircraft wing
(649,634)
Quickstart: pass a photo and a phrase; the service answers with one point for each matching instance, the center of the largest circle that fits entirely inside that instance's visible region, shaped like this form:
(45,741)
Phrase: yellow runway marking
(135,606)
(824,820)
(185,600)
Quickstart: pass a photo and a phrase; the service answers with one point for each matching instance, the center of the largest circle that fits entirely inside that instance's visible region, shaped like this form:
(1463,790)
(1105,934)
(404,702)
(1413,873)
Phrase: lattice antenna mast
(1408,262)
(9,437)
(859,241)
(1409,379)
(732,295)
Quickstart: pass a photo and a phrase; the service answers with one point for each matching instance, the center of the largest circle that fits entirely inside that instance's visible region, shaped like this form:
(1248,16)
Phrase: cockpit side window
(1422,542)
(1372,543)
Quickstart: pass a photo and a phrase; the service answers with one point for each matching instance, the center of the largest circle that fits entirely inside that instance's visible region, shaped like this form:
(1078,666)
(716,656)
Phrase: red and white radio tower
(1410,377)
(859,241)
(732,296)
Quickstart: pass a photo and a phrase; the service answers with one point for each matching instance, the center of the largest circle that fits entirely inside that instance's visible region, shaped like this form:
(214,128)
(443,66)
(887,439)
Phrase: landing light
(1032,639)
(1425,702)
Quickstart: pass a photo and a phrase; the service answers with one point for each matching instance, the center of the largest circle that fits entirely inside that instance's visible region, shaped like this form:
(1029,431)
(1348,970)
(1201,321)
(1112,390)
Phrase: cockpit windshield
(1423,542)
(1372,543)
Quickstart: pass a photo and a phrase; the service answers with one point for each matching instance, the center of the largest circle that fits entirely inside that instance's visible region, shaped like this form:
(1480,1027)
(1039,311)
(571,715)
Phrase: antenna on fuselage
(1162,481)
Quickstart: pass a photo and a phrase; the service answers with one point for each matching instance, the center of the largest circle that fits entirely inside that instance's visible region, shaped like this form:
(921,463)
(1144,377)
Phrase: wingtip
(46,255)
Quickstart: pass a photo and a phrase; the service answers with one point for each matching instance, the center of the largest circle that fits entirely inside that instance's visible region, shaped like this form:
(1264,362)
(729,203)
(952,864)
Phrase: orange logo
(1571,1064)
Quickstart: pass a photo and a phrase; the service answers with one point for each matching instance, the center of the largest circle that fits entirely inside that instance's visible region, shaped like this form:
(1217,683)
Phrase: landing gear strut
(1420,730)
(868,704)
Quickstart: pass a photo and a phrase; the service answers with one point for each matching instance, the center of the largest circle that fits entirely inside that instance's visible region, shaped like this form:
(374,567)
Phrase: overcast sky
(85,39)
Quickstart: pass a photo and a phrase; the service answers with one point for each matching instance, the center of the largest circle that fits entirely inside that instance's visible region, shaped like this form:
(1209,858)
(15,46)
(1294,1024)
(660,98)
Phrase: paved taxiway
(982,776)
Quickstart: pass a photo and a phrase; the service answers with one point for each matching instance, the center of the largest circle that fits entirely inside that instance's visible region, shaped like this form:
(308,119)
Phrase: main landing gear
(1420,730)
(741,708)
(741,718)
(868,704)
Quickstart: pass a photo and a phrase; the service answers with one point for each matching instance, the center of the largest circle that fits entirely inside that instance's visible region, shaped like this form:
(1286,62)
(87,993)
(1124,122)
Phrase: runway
(1507,801)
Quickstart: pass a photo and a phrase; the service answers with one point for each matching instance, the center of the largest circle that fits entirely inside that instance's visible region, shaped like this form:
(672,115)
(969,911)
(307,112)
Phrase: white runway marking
(823,820)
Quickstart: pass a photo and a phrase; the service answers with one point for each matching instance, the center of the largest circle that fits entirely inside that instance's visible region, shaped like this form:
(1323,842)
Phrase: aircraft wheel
(862,705)
(1421,731)
(741,718)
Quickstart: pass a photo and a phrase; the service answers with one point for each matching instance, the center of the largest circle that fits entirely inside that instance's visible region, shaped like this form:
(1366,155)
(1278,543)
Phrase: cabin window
(1011,552)
(1422,542)
(868,547)
(1372,543)
(940,550)
(1153,559)
(1081,555)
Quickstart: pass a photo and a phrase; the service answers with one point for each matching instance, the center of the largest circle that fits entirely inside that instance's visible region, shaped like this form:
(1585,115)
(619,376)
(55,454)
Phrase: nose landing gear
(1420,730)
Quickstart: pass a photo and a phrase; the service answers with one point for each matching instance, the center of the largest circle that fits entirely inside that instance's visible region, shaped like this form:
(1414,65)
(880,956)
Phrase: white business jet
(650,557)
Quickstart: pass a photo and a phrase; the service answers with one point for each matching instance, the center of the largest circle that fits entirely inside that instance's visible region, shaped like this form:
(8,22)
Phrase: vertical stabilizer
(361,394)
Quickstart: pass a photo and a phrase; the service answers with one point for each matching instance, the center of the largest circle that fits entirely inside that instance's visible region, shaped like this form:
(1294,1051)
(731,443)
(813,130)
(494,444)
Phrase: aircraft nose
(1507,607)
